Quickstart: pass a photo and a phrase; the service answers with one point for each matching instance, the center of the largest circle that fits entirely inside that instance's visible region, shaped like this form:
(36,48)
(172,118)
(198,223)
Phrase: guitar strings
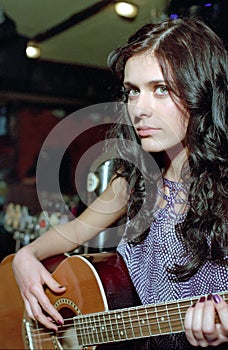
(124,311)
(88,335)
(114,312)
(86,330)
(87,317)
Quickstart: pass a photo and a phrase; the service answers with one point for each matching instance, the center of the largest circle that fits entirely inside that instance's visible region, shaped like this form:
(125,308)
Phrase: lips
(146,131)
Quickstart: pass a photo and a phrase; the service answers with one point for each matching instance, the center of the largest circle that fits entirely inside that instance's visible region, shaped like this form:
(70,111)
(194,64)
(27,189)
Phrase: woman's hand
(31,276)
(200,327)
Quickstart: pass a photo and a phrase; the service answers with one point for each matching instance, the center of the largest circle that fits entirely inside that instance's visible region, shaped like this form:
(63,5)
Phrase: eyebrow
(152,82)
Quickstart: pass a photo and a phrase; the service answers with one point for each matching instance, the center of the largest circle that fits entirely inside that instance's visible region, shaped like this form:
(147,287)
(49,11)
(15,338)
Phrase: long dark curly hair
(198,62)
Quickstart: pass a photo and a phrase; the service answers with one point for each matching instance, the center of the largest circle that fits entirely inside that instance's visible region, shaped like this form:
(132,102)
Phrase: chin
(151,147)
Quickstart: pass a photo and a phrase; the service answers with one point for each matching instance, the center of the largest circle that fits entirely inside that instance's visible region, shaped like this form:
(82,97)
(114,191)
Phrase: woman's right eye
(131,92)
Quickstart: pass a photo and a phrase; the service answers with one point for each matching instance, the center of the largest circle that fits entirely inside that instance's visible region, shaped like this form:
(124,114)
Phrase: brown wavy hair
(198,62)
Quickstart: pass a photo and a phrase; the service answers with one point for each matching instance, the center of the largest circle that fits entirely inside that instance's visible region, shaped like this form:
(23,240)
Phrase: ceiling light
(126,9)
(32,50)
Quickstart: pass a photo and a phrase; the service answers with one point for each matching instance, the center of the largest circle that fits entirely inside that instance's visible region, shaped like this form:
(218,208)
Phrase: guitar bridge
(27,334)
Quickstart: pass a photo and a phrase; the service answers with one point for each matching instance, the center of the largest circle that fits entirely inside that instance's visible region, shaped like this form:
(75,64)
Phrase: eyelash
(163,87)
(127,91)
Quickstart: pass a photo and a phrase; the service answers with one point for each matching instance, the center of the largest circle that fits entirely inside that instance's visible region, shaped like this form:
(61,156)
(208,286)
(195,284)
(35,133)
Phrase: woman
(174,78)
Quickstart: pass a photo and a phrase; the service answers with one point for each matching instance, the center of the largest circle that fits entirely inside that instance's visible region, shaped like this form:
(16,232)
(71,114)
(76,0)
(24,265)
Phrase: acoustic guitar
(100,306)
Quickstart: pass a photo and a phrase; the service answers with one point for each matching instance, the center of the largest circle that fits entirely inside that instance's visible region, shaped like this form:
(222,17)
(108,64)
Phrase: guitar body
(100,308)
(95,283)
(11,311)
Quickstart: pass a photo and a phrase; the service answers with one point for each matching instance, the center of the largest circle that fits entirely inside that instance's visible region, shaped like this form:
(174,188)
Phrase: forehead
(143,66)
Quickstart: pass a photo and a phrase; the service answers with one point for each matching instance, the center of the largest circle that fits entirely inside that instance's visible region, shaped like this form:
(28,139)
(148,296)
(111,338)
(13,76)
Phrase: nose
(142,107)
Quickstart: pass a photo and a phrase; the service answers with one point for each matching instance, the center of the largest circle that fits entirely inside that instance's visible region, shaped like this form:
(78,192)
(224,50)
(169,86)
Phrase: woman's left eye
(161,90)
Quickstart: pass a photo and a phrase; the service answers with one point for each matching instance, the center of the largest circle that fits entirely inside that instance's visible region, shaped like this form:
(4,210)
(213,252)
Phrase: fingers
(200,327)
(31,276)
(52,284)
(40,308)
(28,309)
(51,319)
(193,322)
(38,305)
(222,309)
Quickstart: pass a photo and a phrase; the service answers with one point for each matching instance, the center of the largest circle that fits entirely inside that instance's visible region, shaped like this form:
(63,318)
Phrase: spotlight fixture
(33,50)
(126,9)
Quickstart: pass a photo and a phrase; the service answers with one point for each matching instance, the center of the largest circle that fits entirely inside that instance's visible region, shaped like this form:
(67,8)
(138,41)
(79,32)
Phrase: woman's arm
(31,275)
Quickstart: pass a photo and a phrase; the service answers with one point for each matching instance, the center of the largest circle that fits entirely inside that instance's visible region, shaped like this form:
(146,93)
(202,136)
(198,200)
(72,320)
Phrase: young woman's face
(159,122)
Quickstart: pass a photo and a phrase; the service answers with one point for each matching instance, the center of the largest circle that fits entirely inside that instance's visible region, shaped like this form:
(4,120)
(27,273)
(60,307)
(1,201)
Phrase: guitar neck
(133,323)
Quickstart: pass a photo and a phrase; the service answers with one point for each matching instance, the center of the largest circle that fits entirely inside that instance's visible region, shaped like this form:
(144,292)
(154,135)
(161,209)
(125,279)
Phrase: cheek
(130,108)
(184,121)
(182,125)
(181,120)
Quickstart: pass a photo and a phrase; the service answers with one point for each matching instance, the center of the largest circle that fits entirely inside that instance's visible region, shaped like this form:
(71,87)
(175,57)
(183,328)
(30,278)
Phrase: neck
(174,160)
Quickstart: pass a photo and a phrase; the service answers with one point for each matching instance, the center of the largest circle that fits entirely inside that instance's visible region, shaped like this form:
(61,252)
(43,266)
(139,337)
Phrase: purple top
(147,264)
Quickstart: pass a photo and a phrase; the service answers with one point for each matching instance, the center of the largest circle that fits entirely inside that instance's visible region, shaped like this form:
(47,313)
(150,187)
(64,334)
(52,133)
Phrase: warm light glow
(125,9)
(33,51)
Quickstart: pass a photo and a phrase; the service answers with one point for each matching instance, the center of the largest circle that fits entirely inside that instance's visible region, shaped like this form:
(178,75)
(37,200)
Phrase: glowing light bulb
(125,9)
(32,50)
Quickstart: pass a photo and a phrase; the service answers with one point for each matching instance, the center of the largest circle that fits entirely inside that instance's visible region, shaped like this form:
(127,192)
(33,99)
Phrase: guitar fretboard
(132,323)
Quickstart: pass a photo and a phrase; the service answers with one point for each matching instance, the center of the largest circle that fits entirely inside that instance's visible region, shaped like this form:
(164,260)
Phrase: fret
(124,324)
(90,330)
(127,324)
(77,329)
(143,323)
(183,305)
(181,317)
(150,325)
(114,326)
(100,327)
(117,327)
(112,335)
(86,330)
(110,326)
(95,328)
(135,323)
(139,323)
(162,319)
(104,328)
(157,320)
(132,330)
(120,324)
(168,319)
(76,322)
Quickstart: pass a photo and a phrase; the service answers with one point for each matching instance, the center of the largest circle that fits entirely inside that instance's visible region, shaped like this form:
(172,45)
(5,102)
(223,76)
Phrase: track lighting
(126,9)
(33,50)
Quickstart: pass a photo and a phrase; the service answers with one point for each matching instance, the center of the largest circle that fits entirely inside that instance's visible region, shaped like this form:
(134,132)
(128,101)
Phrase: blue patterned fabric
(147,264)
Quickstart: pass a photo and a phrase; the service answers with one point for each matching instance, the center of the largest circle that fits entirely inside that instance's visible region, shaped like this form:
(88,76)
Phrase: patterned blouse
(147,264)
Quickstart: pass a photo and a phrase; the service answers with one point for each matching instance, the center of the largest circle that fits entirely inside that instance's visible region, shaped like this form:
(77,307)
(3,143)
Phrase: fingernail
(202,299)
(216,298)
(209,297)
(60,322)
